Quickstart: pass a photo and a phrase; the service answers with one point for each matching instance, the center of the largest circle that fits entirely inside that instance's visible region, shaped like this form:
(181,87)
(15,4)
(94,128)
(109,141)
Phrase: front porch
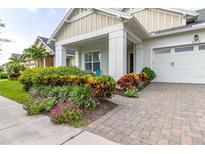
(113,50)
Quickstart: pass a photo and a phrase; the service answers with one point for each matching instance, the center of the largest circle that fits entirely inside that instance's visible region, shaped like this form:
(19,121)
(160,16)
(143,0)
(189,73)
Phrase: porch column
(139,58)
(60,57)
(77,58)
(117,53)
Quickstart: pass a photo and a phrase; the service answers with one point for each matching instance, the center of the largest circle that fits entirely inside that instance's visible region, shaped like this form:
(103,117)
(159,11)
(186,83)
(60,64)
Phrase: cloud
(51,13)
(32,10)
(19,44)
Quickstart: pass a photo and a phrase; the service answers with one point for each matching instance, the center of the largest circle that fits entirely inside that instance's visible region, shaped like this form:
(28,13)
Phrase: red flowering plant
(128,81)
(143,76)
(66,112)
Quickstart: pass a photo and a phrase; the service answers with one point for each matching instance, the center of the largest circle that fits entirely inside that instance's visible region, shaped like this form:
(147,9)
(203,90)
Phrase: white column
(77,58)
(117,54)
(60,57)
(44,62)
(139,58)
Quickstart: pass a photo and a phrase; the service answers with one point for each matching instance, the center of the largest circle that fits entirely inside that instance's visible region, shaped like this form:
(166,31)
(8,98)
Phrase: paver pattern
(164,113)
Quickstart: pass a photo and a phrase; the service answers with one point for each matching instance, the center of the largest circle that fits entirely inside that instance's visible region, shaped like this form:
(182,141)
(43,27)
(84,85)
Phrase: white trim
(191,28)
(82,15)
(45,44)
(188,12)
(92,51)
(69,13)
(61,24)
(93,34)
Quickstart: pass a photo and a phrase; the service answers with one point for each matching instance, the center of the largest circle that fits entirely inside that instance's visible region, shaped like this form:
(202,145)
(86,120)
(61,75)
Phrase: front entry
(130,57)
(131,63)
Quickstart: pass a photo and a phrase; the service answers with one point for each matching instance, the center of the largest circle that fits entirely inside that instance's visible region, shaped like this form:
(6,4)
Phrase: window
(184,49)
(92,61)
(202,47)
(162,51)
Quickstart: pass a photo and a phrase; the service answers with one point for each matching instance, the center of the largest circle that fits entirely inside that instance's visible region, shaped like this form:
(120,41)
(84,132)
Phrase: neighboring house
(170,41)
(16,55)
(50,59)
(3,66)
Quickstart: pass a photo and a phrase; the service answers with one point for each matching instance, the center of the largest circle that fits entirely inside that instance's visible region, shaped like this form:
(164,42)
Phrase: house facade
(117,42)
(50,59)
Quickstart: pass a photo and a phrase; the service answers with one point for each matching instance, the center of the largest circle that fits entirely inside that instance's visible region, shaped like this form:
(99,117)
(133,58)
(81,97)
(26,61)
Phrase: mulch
(121,92)
(104,107)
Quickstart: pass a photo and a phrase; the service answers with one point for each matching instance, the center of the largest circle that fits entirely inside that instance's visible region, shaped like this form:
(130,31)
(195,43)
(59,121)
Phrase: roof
(175,10)
(51,46)
(182,11)
(44,40)
(16,55)
(105,10)
(199,22)
(201,18)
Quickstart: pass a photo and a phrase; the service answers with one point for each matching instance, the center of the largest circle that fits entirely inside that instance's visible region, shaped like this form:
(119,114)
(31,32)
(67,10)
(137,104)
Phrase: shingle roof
(16,55)
(52,46)
(200,20)
(45,40)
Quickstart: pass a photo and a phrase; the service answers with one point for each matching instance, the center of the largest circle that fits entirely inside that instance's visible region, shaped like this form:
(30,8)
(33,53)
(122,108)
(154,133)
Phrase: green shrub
(82,98)
(3,75)
(38,107)
(150,73)
(60,93)
(40,91)
(35,76)
(26,78)
(132,92)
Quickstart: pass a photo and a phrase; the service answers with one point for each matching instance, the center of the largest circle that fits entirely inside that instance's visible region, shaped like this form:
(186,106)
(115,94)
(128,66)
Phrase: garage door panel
(190,65)
(181,67)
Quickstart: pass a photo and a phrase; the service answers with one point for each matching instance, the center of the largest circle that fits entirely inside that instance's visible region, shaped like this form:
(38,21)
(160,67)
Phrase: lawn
(14,91)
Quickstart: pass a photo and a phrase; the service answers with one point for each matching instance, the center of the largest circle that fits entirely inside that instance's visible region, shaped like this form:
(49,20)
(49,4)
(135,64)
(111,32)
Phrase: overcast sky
(24,25)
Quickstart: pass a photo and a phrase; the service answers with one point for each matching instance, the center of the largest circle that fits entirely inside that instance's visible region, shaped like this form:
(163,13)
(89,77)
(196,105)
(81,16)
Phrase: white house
(170,41)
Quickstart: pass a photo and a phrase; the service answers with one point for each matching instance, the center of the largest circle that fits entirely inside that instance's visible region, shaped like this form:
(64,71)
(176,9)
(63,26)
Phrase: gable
(39,43)
(93,21)
(157,19)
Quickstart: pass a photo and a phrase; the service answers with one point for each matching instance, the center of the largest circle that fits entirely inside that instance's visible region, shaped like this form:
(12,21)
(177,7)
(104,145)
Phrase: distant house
(16,55)
(50,60)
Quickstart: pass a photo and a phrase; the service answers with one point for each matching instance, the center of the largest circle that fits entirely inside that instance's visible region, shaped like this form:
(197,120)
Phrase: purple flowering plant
(66,112)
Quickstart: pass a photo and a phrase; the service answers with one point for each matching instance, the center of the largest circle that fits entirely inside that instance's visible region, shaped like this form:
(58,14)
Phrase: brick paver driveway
(163,114)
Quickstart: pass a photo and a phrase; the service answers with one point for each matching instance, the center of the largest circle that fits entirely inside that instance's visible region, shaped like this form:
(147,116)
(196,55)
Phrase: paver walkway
(16,127)
(163,114)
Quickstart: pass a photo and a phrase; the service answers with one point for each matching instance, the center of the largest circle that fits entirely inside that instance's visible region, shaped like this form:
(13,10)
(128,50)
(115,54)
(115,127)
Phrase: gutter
(191,28)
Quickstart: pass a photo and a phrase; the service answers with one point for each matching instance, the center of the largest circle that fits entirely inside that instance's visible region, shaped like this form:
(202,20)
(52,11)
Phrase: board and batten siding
(89,23)
(155,20)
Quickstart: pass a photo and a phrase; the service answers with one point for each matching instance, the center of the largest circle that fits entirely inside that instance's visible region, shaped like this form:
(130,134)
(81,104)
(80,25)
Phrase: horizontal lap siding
(90,23)
(155,20)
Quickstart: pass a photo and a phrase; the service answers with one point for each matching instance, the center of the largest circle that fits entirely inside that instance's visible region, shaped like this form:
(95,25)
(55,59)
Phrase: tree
(15,65)
(35,53)
(1,70)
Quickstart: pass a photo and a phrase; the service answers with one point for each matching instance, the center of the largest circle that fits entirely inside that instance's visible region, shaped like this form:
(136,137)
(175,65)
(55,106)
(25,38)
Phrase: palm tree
(35,53)
(15,65)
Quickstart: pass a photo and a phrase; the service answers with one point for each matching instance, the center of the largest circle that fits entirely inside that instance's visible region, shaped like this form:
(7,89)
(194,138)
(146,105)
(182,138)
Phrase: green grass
(14,91)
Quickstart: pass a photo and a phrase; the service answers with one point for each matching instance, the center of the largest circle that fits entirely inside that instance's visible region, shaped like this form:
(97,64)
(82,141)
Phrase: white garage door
(180,64)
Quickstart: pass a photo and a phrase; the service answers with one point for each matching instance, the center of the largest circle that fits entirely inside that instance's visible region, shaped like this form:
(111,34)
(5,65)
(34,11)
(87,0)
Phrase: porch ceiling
(78,44)
(136,29)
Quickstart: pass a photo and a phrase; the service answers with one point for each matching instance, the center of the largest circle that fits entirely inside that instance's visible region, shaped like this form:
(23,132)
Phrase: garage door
(185,64)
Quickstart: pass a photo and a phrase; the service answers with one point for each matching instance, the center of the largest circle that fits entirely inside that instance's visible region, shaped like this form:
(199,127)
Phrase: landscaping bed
(104,107)
(121,92)
(130,84)
(67,94)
